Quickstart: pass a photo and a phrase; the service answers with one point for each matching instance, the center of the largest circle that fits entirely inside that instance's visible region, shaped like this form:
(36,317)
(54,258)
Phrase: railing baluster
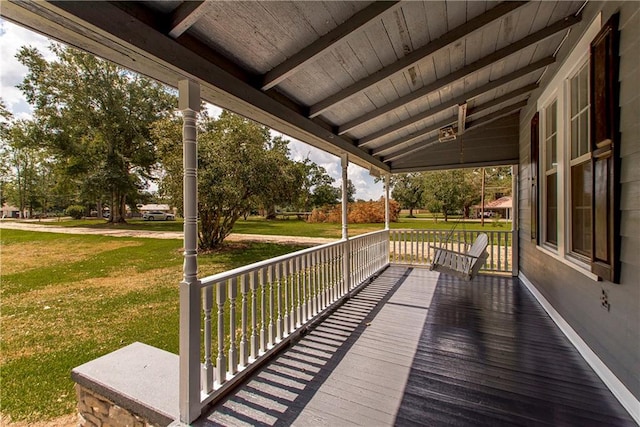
(499,251)
(221,361)
(263,311)
(286,284)
(306,295)
(253,284)
(272,325)
(278,282)
(244,344)
(207,303)
(298,305)
(508,241)
(233,352)
(315,274)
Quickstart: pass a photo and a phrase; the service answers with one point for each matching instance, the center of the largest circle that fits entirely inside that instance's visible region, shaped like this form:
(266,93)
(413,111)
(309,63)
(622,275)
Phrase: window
(580,165)
(550,156)
(577,150)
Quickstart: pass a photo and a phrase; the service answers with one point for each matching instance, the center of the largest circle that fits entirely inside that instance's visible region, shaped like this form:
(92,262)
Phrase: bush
(75,211)
(358,213)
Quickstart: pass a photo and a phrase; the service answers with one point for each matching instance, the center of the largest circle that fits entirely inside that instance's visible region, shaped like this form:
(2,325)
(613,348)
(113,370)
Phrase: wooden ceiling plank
(472,125)
(363,142)
(154,47)
(463,72)
(504,98)
(324,43)
(415,56)
(402,142)
(185,16)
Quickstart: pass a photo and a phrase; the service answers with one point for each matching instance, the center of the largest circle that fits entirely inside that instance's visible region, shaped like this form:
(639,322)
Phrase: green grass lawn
(68,299)
(295,227)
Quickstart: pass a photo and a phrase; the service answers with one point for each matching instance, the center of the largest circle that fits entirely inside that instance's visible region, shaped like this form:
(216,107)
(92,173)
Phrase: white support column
(345,199)
(387,180)
(189,104)
(515,220)
(346,259)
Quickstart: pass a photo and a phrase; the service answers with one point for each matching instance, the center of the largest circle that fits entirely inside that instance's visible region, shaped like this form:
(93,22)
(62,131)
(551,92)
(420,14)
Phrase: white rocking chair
(464,265)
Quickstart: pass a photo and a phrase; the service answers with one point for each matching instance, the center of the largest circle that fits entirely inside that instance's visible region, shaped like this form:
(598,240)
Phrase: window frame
(582,62)
(558,90)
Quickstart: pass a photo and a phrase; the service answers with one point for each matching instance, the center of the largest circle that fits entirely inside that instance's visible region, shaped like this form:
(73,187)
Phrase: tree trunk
(271,212)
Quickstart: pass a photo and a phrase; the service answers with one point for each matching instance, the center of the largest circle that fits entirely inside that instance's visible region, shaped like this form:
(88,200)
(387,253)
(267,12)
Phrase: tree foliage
(239,167)
(408,189)
(95,117)
(448,191)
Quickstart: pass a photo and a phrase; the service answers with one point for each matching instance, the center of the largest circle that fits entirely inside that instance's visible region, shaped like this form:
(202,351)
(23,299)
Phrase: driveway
(233,237)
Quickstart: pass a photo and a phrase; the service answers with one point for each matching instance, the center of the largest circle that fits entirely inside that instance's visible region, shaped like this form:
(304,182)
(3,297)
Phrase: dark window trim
(605,149)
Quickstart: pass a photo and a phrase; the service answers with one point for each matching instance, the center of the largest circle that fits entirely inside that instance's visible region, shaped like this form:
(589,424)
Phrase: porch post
(515,221)
(387,179)
(346,259)
(189,393)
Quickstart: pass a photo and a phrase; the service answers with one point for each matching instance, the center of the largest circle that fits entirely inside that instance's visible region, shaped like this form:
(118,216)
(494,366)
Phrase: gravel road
(233,237)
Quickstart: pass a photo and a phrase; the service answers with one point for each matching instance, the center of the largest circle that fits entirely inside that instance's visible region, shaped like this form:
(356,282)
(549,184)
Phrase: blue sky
(12,37)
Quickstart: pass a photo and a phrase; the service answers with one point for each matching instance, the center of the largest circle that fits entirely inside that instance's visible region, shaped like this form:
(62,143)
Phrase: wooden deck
(418,348)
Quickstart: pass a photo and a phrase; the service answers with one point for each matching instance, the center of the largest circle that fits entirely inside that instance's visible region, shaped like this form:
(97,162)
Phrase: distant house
(502,206)
(9,211)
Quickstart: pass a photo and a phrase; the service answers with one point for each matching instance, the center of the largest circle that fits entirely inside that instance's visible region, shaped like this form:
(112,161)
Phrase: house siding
(613,335)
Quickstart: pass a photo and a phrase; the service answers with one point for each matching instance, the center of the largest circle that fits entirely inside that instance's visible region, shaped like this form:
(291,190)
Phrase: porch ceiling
(377,80)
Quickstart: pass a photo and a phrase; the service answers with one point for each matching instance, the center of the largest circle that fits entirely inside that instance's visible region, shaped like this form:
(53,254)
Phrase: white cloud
(12,38)
(366,189)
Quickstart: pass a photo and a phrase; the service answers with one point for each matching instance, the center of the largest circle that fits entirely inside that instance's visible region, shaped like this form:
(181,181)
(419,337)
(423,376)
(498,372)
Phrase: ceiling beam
(462,117)
(472,125)
(496,56)
(404,141)
(145,49)
(326,42)
(499,100)
(417,55)
(185,16)
(497,114)
(367,140)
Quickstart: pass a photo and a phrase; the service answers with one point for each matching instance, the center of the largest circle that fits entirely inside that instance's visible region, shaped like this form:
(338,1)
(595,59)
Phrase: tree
(351,192)
(408,189)
(446,191)
(5,121)
(95,117)
(26,164)
(239,166)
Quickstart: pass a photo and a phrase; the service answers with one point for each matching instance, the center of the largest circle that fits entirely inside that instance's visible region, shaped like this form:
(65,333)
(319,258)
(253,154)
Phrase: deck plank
(420,348)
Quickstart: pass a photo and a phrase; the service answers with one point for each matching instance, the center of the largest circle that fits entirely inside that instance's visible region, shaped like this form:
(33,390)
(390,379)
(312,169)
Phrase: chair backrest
(479,245)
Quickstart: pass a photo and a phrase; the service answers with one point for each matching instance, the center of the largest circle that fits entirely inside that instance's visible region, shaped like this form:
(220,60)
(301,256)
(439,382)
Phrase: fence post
(189,360)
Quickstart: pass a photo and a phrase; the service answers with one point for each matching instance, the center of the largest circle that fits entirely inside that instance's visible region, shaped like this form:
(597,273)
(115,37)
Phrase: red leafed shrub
(358,213)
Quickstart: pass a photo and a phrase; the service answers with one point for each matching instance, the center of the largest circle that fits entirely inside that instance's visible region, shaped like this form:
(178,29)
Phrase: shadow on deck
(418,348)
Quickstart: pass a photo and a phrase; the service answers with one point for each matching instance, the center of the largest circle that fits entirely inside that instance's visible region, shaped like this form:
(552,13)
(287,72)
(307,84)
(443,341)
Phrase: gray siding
(613,335)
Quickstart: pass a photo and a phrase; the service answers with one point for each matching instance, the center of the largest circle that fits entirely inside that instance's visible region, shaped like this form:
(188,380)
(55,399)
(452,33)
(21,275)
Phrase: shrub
(358,213)
(75,211)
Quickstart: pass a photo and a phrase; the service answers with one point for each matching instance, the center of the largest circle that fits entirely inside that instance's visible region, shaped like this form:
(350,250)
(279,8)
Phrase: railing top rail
(446,231)
(371,233)
(209,280)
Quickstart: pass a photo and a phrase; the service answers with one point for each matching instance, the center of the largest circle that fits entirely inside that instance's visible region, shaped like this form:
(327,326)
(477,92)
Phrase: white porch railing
(412,247)
(252,311)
